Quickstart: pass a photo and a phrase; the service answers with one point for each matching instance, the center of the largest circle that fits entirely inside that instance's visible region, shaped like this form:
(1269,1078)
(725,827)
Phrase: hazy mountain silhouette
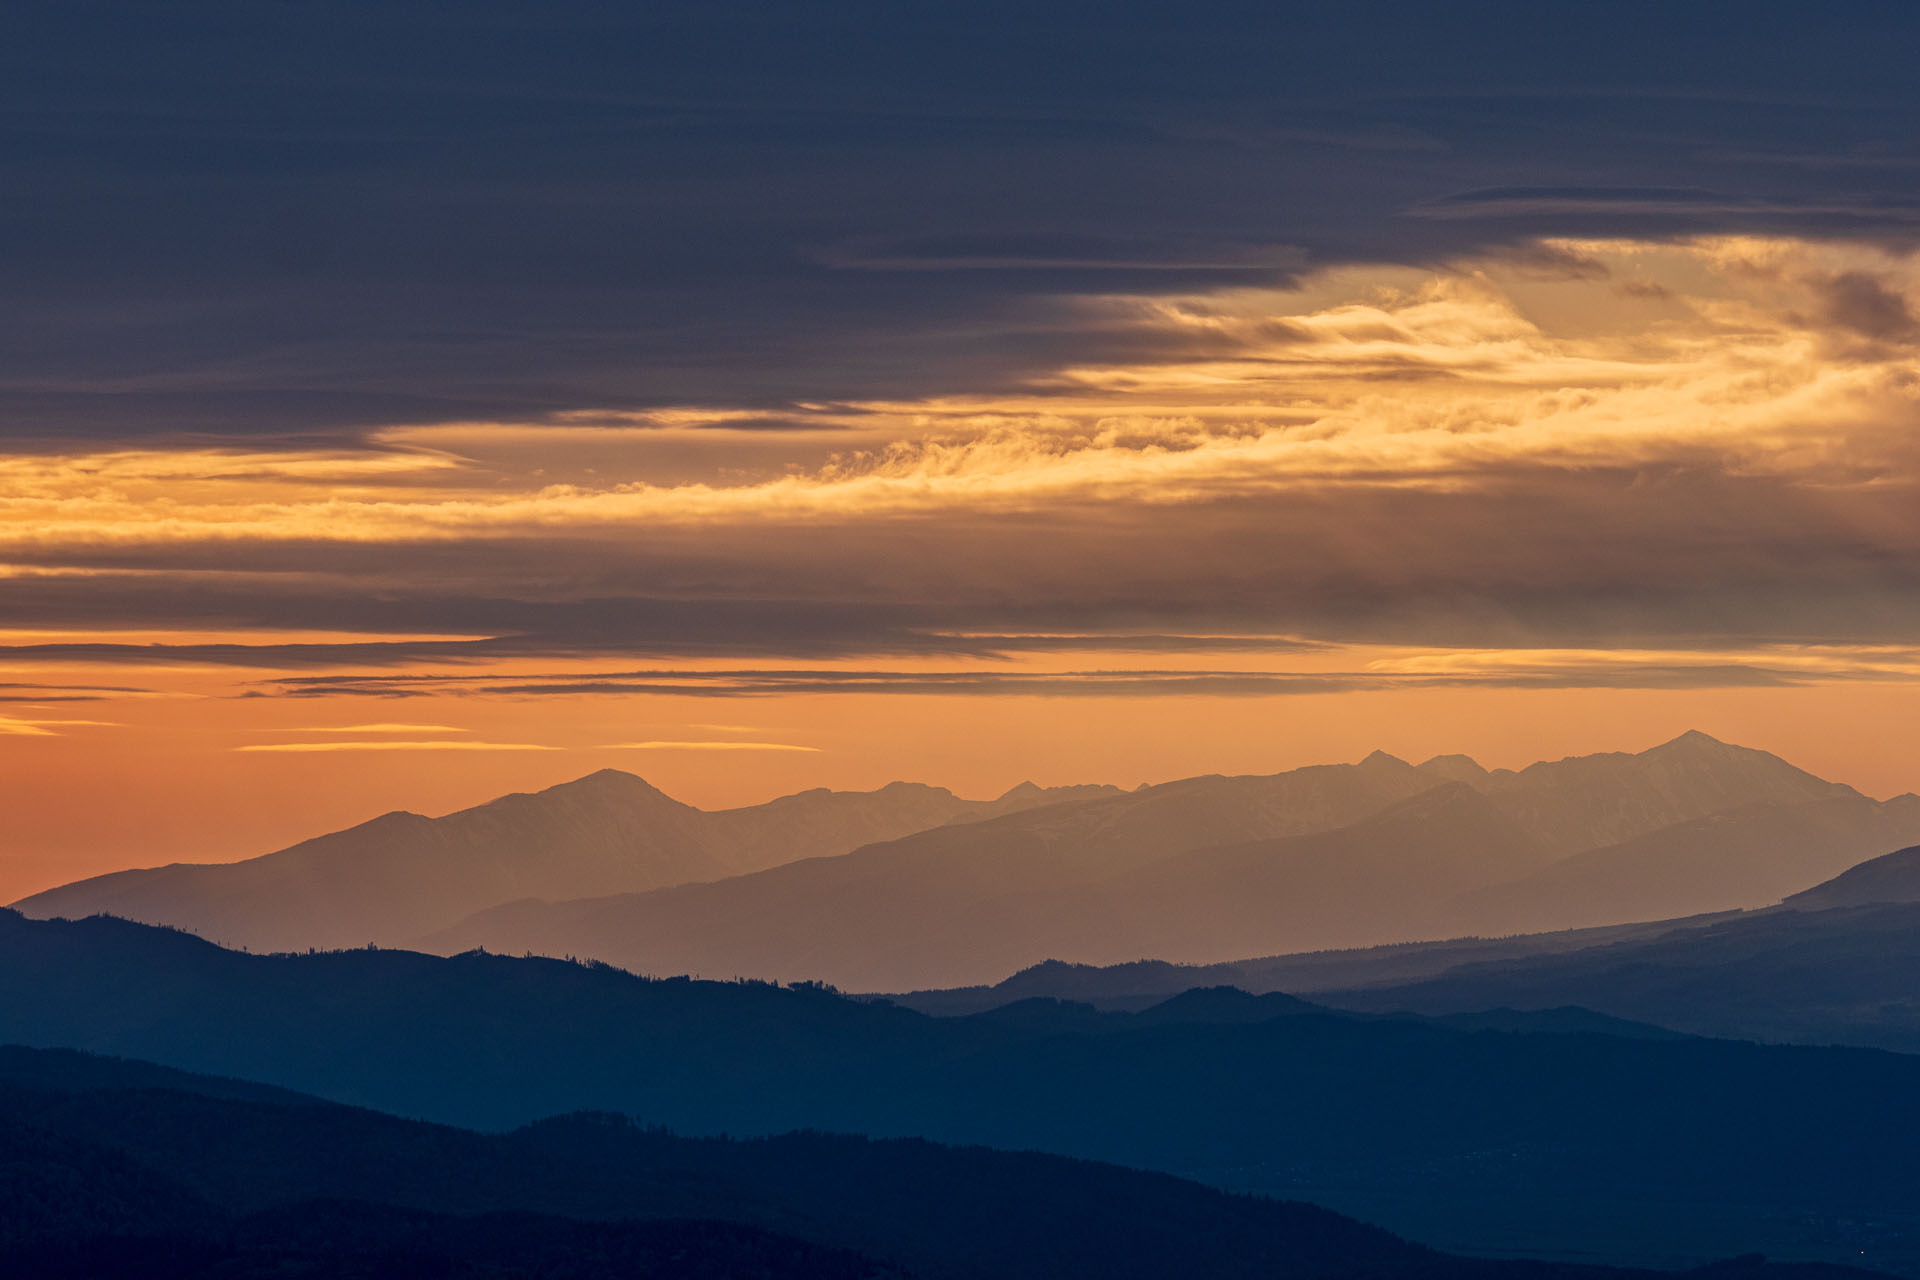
(942,906)
(1744,858)
(910,886)
(1561,1140)
(1894,877)
(1847,975)
(1381,879)
(1144,984)
(401,875)
(1835,964)
(1211,869)
(1587,802)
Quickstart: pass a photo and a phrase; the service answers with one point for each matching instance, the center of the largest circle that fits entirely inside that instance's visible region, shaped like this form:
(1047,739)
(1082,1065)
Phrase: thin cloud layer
(393,745)
(665,745)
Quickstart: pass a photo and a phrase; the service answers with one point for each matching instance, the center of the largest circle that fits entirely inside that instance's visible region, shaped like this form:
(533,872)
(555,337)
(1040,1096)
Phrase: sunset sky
(403,406)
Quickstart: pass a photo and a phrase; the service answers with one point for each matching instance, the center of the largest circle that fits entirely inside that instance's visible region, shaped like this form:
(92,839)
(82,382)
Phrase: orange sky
(1578,498)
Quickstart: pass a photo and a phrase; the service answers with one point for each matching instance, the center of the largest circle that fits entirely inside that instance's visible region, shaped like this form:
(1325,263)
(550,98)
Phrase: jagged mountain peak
(608,781)
(1695,742)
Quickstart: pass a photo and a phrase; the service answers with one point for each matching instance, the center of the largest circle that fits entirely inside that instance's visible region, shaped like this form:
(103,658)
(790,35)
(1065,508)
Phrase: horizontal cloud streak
(1627,672)
(376,728)
(707,746)
(391,745)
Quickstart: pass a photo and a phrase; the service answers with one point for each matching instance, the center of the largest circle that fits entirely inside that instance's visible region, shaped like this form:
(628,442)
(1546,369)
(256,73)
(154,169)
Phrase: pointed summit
(1694,741)
(1381,759)
(611,783)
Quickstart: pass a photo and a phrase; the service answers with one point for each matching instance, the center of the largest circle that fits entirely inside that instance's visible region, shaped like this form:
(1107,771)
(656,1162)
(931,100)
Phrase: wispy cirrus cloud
(46,727)
(1526,668)
(387,744)
(375,728)
(704,745)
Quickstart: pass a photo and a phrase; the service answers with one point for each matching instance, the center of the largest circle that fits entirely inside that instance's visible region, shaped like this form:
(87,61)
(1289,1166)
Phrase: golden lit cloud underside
(1507,505)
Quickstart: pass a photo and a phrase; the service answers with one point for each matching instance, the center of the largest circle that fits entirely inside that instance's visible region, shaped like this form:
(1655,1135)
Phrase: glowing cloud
(708,746)
(376,728)
(395,746)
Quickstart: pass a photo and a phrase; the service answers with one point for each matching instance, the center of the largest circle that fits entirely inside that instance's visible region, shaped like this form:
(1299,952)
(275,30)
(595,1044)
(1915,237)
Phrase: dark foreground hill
(159,1173)
(1544,1137)
(119,1168)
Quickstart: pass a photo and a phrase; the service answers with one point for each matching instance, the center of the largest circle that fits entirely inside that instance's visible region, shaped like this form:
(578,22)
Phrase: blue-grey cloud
(270,221)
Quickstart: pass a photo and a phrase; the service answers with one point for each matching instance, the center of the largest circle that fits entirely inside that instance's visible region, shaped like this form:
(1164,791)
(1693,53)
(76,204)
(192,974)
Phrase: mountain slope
(1139,983)
(1893,877)
(400,875)
(1210,869)
(910,886)
(1386,877)
(961,903)
(1846,975)
(1738,860)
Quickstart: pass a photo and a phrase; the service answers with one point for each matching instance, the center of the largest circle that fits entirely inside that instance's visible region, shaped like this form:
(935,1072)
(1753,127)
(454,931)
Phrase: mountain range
(402,875)
(1215,868)
(911,887)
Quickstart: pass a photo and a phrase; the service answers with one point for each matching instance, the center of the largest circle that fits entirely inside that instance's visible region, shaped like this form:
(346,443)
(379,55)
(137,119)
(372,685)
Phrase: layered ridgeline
(402,875)
(944,892)
(1557,1133)
(1216,868)
(1838,963)
(124,1168)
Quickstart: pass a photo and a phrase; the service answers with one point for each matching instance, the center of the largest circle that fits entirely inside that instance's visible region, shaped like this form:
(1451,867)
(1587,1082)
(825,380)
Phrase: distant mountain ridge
(400,875)
(1210,869)
(1585,802)
(912,887)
